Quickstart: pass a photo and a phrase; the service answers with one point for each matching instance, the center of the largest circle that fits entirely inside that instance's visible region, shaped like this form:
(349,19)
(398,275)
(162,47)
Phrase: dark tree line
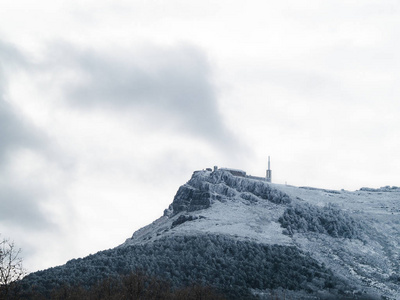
(134,286)
(231,267)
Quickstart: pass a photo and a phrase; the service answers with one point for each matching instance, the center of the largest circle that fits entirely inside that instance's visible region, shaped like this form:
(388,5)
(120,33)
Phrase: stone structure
(241,173)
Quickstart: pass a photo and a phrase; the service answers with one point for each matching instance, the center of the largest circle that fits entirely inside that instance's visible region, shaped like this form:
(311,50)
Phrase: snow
(236,218)
(250,222)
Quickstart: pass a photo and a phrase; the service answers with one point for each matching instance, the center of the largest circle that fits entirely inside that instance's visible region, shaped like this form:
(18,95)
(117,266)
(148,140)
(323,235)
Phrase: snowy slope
(237,217)
(373,261)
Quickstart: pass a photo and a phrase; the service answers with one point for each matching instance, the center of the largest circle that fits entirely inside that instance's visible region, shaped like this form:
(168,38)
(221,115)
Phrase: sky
(107,107)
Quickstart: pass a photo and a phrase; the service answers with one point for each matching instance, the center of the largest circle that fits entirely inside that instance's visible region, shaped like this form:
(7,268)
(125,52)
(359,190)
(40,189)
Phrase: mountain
(248,238)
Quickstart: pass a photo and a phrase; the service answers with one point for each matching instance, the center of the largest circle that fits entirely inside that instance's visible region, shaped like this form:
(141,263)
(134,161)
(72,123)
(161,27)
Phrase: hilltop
(249,238)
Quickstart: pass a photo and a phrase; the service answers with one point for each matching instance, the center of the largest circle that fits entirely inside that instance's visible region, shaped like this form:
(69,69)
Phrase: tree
(11,269)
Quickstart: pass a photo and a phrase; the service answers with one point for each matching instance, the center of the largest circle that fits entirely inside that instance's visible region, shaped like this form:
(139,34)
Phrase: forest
(229,267)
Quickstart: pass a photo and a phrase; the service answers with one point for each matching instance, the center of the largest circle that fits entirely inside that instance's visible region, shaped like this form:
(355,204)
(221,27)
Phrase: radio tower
(269,172)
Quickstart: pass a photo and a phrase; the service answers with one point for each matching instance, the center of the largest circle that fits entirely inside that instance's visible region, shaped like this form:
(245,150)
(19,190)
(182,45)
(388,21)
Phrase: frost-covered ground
(255,219)
(372,261)
(235,218)
(239,208)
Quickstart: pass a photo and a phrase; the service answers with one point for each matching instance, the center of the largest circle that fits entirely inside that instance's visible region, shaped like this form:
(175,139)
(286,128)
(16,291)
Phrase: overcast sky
(107,107)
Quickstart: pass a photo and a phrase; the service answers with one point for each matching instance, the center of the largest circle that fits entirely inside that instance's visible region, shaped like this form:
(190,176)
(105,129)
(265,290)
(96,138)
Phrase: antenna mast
(269,171)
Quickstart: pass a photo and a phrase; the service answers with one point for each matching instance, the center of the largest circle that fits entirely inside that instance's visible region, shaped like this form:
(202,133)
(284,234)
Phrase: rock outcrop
(206,187)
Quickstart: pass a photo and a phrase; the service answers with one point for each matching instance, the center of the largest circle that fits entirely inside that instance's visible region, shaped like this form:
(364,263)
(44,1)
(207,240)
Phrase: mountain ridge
(346,242)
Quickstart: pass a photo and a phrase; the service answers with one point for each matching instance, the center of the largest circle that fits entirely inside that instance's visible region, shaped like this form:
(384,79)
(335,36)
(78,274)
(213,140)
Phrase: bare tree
(11,269)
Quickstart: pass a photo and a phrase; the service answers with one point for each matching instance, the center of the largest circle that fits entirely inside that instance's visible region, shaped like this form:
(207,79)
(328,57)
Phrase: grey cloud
(11,56)
(20,209)
(15,132)
(18,206)
(174,83)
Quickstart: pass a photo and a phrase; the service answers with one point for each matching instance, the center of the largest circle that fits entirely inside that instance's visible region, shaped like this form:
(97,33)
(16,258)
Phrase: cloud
(19,205)
(172,86)
(21,209)
(11,56)
(15,132)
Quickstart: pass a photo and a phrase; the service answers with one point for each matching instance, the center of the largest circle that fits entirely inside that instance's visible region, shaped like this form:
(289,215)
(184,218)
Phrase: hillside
(249,238)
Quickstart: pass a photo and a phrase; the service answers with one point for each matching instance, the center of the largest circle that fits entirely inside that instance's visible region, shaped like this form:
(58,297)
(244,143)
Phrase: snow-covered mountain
(247,237)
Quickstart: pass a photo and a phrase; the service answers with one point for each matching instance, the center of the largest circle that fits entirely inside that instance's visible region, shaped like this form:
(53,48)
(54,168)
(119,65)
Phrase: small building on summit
(241,173)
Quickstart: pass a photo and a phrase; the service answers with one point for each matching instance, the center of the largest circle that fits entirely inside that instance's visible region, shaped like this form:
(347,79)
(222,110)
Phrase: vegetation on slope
(326,220)
(230,266)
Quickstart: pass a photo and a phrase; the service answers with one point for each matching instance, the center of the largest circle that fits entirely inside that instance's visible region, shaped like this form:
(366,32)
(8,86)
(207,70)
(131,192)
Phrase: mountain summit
(249,238)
